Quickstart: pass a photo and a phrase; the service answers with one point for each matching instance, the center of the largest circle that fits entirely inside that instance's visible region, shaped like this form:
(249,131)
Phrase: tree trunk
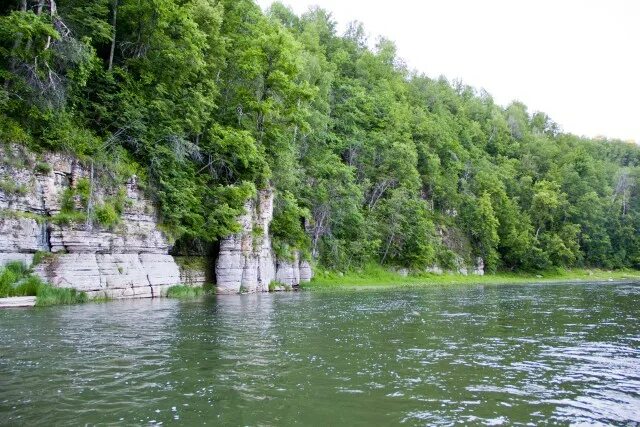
(113,38)
(386,251)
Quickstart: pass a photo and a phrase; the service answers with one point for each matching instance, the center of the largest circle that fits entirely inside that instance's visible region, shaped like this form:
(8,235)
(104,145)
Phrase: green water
(470,355)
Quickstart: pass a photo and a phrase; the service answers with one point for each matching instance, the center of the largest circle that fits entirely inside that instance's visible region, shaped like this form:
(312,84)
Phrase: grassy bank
(16,280)
(376,276)
(186,292)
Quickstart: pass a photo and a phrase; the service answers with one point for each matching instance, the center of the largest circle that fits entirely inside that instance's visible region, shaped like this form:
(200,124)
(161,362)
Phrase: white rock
(129,261)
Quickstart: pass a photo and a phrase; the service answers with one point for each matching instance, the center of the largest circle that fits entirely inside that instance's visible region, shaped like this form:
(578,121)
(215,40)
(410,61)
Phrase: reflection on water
(478,354)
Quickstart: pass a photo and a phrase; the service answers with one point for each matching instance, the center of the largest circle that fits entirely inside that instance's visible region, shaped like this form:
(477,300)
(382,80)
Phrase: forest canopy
(207,101)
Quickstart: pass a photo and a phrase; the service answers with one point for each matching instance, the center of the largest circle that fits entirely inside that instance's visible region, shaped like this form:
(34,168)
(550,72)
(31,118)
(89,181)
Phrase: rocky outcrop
(478,269)
(246,262)
(129,259)
(193,270)
(461,268)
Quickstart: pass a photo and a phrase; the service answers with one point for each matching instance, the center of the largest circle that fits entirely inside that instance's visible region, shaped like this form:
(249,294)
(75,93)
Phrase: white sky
(576,60)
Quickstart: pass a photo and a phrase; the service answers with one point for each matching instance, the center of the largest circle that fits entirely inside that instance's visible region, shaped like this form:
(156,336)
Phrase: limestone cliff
(246,262)
(129,259)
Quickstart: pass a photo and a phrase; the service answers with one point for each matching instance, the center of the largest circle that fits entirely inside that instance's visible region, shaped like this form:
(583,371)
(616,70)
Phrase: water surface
(472,355)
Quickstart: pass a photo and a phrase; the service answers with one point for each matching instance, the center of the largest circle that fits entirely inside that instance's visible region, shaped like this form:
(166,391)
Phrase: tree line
(207,101)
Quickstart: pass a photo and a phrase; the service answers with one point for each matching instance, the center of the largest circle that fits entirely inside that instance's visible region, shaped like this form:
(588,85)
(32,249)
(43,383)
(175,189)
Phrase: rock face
(129,260)
(479,267)
(246,262)
(193,270)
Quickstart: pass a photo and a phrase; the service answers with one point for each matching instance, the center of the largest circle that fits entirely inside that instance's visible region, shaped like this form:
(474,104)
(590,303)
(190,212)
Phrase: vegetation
(207,101)
(375,276)
(185,292)
(16,280)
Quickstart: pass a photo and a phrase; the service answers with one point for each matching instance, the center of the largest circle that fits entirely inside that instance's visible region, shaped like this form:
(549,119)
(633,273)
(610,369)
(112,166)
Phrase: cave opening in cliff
(212,259)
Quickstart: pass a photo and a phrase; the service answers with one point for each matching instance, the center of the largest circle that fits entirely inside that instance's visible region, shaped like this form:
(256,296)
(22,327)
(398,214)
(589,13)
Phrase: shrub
(106,215)
(83,189)
(67,202)
(66,218)
(43,168)
(10,277)
(16,280)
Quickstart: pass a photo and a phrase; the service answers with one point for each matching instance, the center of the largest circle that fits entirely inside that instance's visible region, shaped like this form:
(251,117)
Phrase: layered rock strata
(128,260)
(246,262)
(193,270)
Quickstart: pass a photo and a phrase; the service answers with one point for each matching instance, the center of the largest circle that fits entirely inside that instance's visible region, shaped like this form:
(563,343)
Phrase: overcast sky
(576,60)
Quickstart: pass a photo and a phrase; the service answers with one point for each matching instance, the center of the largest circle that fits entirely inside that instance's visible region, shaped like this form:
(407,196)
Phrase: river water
(437,356)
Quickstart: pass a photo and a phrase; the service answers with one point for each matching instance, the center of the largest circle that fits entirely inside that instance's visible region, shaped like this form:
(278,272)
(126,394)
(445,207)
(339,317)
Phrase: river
(434,356)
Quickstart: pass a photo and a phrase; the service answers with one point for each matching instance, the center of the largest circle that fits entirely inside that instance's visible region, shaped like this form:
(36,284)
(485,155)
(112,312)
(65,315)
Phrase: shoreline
(377,278)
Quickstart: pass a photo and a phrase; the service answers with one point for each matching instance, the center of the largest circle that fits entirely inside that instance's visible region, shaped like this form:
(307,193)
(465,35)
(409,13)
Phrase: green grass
(9,186)
(13,214)
(275,285)
(185,292)
(67,218)
(48,295)
(16,280)
(376,276)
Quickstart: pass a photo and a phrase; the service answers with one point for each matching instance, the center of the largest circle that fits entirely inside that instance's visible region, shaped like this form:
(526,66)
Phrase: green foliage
(484,229)
(67,218)
(43,168)
(16,280)
(40,256)
(208,102)
(67,201)
(106,215)
(377,277)
(185,292)
(10,277)
(48,295)
(83,191)
(11,188)
(274,286)
(10,213)
(286,227)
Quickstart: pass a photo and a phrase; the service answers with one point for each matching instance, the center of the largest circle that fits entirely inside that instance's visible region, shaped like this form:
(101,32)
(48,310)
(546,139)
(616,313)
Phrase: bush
(66,218)
(43,168)
(106,215)
(16,280)
(67,202)
(10,277)
(83,189)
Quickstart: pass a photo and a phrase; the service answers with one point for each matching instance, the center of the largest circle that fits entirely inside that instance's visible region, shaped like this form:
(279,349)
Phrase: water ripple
(489,355)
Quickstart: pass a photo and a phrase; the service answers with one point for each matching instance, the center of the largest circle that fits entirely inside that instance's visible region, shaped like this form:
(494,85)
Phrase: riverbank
(17,280)
(378,277)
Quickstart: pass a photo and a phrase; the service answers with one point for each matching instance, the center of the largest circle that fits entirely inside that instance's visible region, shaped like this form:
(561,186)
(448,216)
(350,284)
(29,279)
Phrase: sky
(576,60)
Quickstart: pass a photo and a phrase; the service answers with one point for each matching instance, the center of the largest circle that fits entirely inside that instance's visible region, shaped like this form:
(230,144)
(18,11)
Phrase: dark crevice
(212,258)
